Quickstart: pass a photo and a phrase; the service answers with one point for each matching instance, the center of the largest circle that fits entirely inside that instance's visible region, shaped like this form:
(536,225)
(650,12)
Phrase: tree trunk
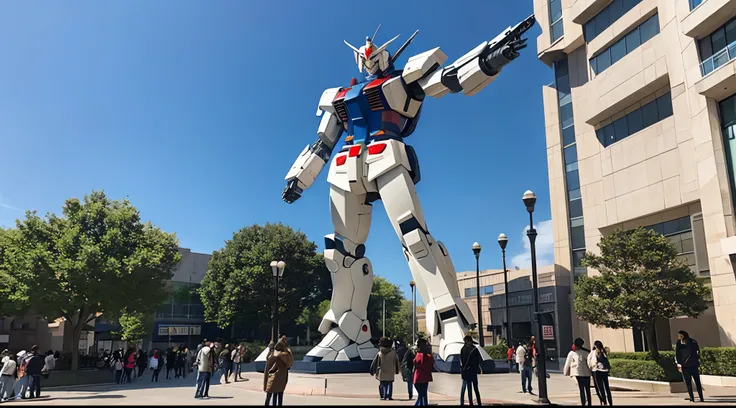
(76,334)
(652,340)
(309,338)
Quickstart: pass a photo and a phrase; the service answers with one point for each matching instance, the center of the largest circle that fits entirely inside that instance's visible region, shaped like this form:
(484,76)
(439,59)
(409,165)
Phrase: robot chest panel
(366,102)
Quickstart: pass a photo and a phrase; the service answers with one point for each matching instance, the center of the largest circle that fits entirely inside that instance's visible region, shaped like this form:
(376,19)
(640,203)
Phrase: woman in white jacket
(599,365)
(576,366)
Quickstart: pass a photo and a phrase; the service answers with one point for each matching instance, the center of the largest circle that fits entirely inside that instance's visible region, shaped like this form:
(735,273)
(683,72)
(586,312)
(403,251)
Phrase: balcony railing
(718,59)
(695,3)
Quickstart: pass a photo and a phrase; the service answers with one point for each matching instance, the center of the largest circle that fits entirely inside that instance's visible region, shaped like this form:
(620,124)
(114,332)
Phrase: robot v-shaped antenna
(403,47)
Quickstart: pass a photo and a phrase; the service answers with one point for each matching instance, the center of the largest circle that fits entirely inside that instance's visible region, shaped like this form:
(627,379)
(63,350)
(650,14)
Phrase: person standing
(225,362)
(510,354)
(469,366)
(7,378)
(117,365)
(141,362)
(130,366)
(407,370)
(236,362)
(187,361)
(49,363)
(276,372)
(576,366)
(524,359)
(34,370)
(153,364)
(423,365)
(687,357)
(600,366)
(387,367)
(205,362)
(170,361)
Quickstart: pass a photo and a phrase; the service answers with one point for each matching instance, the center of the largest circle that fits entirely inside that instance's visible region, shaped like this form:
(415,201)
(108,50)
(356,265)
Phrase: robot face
(371,58)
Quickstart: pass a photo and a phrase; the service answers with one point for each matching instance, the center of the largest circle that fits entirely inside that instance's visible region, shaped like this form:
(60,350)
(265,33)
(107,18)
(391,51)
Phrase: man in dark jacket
(687,357)
(33,370)
(469,366)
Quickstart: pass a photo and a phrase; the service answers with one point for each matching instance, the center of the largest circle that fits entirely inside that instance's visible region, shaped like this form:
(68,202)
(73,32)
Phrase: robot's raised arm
(471,72)
(312,159)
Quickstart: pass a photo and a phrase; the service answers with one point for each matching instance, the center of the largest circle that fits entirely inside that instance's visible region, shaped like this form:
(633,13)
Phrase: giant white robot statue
(375,164)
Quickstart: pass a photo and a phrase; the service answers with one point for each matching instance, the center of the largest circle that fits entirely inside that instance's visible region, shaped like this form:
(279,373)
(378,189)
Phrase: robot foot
(336,346)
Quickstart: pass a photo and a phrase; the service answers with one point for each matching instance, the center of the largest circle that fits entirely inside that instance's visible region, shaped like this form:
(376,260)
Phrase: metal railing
(718,59)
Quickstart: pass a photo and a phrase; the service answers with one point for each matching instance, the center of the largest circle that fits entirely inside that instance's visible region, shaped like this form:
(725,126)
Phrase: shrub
(498,351)
(637,369)
(719,361)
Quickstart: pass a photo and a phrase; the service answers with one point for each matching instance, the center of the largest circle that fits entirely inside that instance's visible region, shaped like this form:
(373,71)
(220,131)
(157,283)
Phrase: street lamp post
(502,241)
(413,313)
(529,200)
(277,267)
(476,251)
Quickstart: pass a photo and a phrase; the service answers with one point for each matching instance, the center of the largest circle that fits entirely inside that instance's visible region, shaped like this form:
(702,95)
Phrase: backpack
(603,363)
(528,357)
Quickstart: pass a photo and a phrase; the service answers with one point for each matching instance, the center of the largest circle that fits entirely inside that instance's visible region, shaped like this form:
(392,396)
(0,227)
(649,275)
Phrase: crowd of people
(414,363)
(21,373)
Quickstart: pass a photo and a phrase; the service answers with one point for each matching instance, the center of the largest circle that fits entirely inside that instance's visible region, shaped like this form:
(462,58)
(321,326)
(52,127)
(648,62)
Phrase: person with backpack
(469,367)
(407,370)
(600,367)
(576,365)
(525,360)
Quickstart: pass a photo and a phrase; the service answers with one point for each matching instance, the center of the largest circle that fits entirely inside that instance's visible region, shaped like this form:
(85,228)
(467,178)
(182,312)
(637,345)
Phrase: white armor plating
(380,166)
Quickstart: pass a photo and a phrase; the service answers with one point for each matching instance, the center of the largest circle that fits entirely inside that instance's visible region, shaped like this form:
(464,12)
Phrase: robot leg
(448,317)
(346,328)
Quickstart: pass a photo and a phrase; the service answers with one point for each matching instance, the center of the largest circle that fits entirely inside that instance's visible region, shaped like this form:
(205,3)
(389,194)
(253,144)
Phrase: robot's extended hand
(505,47)
(511,50)
(292,192)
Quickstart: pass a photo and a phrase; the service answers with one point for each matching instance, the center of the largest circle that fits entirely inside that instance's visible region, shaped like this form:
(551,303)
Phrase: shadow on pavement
(140,383)
(96,396)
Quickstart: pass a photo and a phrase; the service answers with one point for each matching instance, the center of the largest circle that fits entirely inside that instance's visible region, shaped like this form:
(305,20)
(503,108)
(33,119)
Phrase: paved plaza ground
(346,389)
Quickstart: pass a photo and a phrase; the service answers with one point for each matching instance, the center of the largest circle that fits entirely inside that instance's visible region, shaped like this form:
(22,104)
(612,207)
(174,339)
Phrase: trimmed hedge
(497,352)
(720,361)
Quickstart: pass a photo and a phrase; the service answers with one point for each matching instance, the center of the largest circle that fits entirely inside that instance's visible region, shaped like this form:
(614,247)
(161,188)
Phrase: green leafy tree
(398,324)
(238,285)
(312,316)
(383,289)
(133,326)
(98,257)
(641,281)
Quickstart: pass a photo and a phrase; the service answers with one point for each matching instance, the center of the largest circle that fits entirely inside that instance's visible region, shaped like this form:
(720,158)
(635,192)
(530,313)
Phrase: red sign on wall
(548,332)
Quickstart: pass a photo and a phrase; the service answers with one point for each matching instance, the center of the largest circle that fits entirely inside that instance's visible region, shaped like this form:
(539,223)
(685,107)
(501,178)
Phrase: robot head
(375,60)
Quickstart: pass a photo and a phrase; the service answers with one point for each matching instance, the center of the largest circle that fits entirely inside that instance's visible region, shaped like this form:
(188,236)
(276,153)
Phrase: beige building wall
(676,167)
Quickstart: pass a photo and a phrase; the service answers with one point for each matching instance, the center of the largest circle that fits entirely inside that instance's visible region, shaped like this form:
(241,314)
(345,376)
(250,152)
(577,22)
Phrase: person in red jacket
(130,365)
(423,365)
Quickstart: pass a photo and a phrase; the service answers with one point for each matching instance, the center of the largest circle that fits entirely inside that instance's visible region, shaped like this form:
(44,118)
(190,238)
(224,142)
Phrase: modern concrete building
(640,124)
(554,295)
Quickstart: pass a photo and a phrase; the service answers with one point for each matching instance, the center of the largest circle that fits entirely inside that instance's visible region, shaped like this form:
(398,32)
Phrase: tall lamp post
(413,313)
(502,241)
(529,200)
(476,251)
(277,267)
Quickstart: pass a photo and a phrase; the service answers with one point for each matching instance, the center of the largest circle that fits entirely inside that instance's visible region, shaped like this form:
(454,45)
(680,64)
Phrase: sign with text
(548,332)
(179,330)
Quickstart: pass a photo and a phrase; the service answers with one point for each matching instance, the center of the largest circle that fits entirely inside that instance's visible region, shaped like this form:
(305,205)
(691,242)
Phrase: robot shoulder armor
(325,101)
(420,65)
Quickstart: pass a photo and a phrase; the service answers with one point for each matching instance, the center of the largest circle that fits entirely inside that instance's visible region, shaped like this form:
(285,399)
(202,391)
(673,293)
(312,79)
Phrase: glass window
(618,51)
(649,113)
(602,21)
(576,222)
(664,106)
(629,4)
(577,258)
(718,40)
(470,292)
(731,31)
(566,115)
(574,194)
(728,111)
(573,182)
(594,65)
(561,68)
(695,3)
(571,166)
(604,60)
(705,48)
(635,121)
(589,30)
(555,10)
(557,30)
(568,135)
(576,208)
(633,40)
(577,237)
(563,87)
(616,10)
(571,154)
(649,29)
(608,135)
(620,129)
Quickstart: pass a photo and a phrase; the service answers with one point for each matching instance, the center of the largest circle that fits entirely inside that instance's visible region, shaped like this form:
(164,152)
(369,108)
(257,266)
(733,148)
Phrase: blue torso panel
(367,115)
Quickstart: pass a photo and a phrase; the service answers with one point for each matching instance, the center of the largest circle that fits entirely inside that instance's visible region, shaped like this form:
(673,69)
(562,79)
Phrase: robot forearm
(305,169)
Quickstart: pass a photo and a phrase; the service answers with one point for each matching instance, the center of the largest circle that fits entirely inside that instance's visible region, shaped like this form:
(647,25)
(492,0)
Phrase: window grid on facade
(727,111)
(606,17)
(484,290)
(631,41)
(572,179)
(555,20)
(640,119)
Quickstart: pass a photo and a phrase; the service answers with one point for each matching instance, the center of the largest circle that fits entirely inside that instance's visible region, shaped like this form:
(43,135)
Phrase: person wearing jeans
(687,357)
(407,371)
(34,369)
(524,359)
(423,365)
(576,365)
(205,362)
(469,366)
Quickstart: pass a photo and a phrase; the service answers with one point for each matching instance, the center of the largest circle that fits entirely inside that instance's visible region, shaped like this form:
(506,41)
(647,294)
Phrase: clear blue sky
(195,110)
